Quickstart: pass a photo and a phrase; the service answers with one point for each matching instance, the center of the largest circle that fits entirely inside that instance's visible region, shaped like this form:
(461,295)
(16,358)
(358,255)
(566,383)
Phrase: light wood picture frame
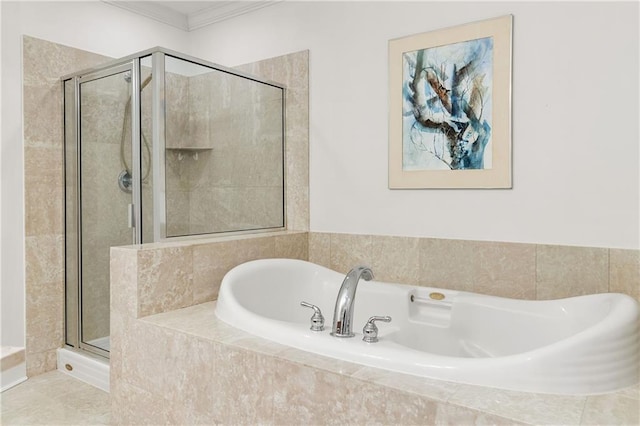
(450,107)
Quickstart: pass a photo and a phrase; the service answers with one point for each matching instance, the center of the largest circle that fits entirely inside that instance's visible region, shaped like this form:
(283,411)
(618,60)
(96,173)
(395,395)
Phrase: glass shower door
(105,194)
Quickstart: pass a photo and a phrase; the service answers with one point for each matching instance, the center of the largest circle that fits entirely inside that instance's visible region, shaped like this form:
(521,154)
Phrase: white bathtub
(581,345)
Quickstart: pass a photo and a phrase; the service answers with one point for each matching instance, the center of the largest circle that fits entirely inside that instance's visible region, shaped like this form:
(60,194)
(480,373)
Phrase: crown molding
(154,10)
(219,11)
(223,10)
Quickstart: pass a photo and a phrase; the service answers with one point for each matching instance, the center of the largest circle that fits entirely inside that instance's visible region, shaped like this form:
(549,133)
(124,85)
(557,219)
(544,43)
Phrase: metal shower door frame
(159,120)
(158,110)
(132,63)
(133,67)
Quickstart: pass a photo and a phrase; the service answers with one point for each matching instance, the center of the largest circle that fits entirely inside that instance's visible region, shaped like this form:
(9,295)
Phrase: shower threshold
(102,343)
(84,366)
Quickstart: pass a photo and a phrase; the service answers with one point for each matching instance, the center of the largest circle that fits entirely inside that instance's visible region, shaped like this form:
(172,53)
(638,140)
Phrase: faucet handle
(370,329)
(317,319)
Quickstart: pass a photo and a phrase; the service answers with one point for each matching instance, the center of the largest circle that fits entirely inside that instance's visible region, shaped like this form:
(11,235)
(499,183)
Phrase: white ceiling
(191,15)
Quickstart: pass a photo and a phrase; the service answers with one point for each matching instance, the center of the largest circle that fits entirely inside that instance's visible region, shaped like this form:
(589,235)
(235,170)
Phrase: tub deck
(452,402)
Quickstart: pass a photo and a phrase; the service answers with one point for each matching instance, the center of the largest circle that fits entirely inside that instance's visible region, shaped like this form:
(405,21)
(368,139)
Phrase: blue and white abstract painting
(447,94)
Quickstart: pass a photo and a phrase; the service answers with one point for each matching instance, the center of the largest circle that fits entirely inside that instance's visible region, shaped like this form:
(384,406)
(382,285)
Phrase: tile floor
(54,398)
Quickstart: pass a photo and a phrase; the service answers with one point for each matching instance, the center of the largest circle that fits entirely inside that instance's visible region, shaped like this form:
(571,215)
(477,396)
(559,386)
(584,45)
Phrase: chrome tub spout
(343,313)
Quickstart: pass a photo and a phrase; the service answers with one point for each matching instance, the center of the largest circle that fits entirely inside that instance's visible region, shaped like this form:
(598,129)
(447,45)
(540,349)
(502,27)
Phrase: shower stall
(158,146)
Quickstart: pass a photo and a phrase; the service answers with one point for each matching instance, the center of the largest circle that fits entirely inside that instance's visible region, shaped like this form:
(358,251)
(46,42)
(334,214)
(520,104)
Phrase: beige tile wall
(43,64)
(183,366)
(523,271)
(624,272)
(188,367)
(191,380)
(233,180)
(161,375)
(293,71)
(163,277)
(177,168)
(11,357)
(177,275)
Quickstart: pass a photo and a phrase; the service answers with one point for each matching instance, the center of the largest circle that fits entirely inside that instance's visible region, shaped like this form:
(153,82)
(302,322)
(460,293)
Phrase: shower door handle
(130,216)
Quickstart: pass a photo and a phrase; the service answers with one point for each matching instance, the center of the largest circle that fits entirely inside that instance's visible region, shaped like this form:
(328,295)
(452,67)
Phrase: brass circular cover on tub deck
(436,296)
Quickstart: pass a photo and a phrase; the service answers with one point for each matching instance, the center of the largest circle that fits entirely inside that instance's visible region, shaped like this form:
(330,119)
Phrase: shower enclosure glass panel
(105,154)
(160,145)
(224,151)
(98,182)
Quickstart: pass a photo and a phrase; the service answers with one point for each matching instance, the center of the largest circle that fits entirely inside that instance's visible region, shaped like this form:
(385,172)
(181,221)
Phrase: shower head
(127,78)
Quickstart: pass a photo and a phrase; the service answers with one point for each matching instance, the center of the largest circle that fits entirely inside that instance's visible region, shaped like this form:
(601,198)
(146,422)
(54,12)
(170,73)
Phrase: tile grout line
(609,270)
(584,407)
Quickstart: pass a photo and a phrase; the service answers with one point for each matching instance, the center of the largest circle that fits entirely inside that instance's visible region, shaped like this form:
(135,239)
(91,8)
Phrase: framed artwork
(450,107)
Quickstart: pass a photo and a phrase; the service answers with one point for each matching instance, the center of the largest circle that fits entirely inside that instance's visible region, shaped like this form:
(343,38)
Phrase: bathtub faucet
(343,313)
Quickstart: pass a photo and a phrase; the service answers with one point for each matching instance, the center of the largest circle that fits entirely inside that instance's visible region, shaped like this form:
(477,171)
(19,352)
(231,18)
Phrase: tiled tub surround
(187,367)
(514,270)
(174,357)
(155,278)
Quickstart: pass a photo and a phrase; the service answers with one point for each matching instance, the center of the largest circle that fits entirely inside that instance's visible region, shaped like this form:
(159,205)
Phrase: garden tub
(579,345)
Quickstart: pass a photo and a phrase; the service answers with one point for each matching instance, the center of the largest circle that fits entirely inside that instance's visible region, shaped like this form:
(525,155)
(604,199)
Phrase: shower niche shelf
(193,152)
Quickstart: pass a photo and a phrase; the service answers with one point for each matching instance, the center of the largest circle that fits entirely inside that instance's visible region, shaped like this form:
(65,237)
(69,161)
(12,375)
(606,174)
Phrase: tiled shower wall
(210,184)
(224,154)
(292,70)
(43,64)
(243,120)
(523,271)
